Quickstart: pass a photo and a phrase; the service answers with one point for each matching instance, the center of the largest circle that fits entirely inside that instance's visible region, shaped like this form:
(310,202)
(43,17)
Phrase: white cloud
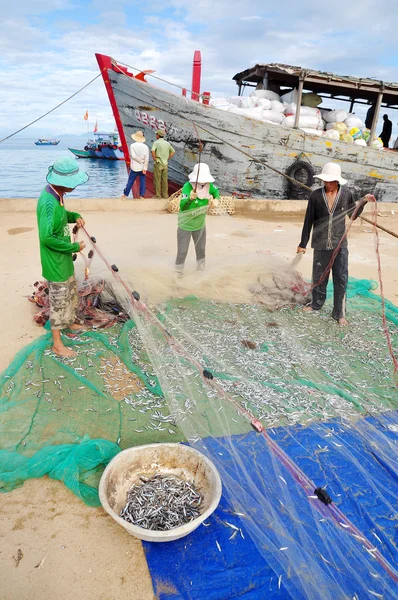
(43,66)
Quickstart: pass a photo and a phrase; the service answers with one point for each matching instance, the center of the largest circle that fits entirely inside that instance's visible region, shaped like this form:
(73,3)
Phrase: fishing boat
(43,142)
(104,145)
(249,157)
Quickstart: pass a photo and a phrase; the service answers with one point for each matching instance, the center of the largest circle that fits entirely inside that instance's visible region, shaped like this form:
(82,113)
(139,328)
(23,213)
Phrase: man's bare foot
(142,197)
(308,309)
(342,322)
(77,327)
(61,350)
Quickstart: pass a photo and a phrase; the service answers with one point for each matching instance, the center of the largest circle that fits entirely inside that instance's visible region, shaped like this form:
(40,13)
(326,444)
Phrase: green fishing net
(67,418)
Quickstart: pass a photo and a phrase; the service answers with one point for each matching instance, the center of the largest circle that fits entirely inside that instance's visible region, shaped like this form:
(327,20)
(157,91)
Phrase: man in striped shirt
(326,213)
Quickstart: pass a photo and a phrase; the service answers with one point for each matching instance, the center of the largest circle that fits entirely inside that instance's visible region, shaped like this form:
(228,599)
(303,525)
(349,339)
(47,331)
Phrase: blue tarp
(193,567)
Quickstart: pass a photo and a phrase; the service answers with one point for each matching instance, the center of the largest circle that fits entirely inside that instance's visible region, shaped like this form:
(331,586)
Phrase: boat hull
(80,153)
(230,142)
(109,153)
(47,143)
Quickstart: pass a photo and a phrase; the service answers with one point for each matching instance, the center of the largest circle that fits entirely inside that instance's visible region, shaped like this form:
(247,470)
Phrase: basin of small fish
(160,492)
(162,502)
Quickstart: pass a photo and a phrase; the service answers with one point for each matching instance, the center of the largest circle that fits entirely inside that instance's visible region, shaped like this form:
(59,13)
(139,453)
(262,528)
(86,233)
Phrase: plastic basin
(176,459)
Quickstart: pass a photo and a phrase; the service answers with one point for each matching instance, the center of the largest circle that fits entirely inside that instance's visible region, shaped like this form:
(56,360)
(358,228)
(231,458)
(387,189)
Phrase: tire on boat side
(302,172)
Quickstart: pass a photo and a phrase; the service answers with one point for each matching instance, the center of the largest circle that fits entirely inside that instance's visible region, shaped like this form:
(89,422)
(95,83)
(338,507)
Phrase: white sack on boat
(340,127)
(221,103)
(290,97)
(273,116)
(277,106)
(360,142)
(378,144)
(305,111)
(266,94)
(253,113)
(354,122)
(246,102)
(263,102)
(332,134)
(335,116)
(310,121)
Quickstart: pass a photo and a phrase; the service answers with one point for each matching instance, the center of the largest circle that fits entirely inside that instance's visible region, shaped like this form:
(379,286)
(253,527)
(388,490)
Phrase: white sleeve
(146,158)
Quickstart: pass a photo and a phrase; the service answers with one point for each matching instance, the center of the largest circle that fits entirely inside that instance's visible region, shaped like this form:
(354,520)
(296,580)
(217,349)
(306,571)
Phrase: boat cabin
(104,137)
(281,79)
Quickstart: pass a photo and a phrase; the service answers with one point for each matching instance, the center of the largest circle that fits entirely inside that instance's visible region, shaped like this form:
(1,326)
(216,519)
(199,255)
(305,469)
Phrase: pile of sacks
(347,127)
(263,105)
(269,107)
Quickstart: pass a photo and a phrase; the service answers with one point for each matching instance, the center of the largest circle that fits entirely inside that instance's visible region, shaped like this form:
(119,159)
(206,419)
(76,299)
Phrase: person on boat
(326,214)
(385,135)
(370,116)
(139,155)
(162,151)
(56,248)
(197,195)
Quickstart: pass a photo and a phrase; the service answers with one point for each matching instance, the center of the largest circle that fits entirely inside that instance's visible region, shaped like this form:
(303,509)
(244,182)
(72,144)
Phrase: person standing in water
(197,195)
(326,211)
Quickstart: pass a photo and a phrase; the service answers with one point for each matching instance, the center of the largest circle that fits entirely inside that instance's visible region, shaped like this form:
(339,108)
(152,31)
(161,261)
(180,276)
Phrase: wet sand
(70,550)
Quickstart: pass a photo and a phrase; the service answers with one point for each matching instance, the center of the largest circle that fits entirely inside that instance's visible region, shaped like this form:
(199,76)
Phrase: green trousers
(160,180)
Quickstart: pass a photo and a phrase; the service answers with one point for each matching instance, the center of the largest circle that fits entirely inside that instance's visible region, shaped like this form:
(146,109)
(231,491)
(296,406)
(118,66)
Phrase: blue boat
(43,142)
(105,145)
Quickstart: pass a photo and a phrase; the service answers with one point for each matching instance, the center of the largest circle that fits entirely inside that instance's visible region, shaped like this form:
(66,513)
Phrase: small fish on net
(161,503)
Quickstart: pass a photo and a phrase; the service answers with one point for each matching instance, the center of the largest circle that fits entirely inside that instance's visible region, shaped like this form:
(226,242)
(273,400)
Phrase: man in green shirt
(56,248)
(162,151)
(197,195)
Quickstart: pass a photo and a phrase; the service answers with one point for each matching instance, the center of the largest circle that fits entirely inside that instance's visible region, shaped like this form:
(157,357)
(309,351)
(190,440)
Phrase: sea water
(24,166)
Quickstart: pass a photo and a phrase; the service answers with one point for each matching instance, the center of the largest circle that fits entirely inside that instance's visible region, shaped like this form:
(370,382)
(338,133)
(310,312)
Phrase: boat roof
(320,82)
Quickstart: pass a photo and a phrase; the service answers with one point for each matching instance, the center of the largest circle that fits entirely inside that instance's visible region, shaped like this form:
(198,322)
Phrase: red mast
(196,74)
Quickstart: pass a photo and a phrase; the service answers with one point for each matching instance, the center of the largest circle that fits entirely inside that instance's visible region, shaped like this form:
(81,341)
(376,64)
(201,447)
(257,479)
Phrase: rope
(337,249)
(50,111)
(180,87)
(299,476)
(196,125)
(383,300)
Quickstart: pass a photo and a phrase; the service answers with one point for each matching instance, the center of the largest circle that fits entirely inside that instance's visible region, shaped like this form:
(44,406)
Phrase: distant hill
(36,134)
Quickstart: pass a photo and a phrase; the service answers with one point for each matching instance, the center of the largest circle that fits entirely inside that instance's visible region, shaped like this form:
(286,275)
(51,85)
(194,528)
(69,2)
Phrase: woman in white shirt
(139,154)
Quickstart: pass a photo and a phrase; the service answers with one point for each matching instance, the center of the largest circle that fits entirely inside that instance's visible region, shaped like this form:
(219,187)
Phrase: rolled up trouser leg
(63,303)
(340,281)
(183,241)
(319,266)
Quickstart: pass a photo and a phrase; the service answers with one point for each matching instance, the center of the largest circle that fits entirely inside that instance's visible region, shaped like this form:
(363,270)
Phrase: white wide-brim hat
(201,174)
(331,172)
(138,136)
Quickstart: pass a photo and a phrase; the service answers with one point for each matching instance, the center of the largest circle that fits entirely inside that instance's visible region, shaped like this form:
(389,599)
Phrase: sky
(47,48)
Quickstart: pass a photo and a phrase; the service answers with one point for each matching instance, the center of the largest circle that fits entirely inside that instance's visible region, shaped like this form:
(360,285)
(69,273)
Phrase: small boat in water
(43,142)
(104,145)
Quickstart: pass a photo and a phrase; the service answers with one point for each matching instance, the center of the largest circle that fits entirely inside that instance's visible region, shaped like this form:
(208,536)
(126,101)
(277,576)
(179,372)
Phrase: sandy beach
(69,549)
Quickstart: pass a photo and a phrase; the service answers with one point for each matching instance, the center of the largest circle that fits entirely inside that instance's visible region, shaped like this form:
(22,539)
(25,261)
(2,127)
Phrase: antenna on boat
(196,75)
